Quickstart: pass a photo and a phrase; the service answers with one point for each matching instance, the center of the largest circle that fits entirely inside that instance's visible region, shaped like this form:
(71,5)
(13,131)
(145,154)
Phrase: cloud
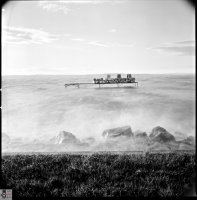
(20,35)
(114,31)
(122,45)
(38,70)
(109,45)
(54,6)
(91,1)
(99,43)
(187,42)
(78,39)
(182,48)
(68,34)
(74,48)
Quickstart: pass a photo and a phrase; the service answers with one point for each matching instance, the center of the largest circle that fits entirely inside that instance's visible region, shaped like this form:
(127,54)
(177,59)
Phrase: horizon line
(88,74)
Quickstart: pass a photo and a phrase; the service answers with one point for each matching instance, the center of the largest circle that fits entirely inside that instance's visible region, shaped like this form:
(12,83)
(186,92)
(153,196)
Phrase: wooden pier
(99,84)
(108,81)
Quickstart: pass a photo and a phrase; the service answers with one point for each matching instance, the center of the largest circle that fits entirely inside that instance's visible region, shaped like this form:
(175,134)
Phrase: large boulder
(115,133)
(156,146)
(64,137)
(17,140)
(140,134)
(88,140)
(179,135)
(190,140)
(186,146)
(141,137)
(159,134)
(5,138)
(34,141)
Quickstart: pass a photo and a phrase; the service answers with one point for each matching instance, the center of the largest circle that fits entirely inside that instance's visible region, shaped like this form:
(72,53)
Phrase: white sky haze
(101,36)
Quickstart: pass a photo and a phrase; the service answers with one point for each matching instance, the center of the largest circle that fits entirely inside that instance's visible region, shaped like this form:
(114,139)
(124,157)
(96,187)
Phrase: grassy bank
(61,175)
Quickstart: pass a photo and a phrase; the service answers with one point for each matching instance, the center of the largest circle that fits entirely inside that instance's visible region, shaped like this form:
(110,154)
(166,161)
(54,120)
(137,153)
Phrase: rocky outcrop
(157,146)
(34,141)
(190,140)
(16,141)
(186,146)
(88,140)
(5,138)
(116,139)
(141,137)
(159,134)
(140,134)
(64,138)
(115,133)
(179,135)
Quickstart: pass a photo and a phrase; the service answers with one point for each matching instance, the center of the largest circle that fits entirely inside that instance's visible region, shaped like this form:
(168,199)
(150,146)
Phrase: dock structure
(108,81)
(99,84)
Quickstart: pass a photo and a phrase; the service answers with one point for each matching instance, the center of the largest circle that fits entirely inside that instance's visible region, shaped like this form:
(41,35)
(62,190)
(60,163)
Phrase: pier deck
(99,84)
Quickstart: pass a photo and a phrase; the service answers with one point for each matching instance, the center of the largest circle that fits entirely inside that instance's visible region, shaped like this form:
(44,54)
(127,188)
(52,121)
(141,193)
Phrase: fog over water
(40,106)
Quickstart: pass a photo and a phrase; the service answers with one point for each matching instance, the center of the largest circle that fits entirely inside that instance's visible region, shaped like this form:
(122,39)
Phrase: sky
(96,37)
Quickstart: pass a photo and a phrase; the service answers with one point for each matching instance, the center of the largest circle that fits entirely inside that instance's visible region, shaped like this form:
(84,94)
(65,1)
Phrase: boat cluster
(119,79)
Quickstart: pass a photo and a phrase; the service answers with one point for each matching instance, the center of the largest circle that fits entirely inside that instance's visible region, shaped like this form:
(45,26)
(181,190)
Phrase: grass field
(106,174)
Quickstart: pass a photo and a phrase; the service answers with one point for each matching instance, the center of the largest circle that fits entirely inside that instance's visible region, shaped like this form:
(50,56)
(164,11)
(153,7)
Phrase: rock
(141,137)
(89,140)
(179,135)
(117,132)
(173,145)
(188,140)
(64,137)
(34,141)
(16,141)
(169,146)
(158,147)
(159,134)
(5,138)
(140,134)
(186,146)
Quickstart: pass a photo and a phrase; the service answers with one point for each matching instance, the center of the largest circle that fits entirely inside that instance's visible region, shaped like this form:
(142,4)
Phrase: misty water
(40,106)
